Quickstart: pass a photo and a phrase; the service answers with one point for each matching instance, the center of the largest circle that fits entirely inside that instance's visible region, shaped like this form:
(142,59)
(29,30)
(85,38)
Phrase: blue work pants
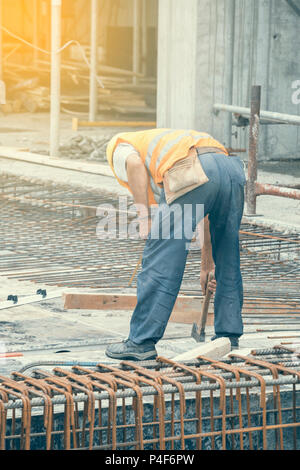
(164,257)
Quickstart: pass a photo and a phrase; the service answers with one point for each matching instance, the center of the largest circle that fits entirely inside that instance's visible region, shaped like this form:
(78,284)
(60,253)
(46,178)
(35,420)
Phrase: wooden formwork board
(187,308)
(76,123)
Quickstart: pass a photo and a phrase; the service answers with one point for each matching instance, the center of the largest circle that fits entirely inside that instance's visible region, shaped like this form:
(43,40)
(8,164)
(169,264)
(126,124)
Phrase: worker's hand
(145,227)
(206,284)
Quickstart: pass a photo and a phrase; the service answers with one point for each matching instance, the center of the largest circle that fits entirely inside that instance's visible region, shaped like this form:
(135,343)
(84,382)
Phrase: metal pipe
(55,76)
(93,70)
(229,64)
(263,189)
(266,115)
(253,149)
(136,41)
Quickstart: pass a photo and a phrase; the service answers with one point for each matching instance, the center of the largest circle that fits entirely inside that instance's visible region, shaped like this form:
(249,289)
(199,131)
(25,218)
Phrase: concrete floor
(40,330)
(45,331)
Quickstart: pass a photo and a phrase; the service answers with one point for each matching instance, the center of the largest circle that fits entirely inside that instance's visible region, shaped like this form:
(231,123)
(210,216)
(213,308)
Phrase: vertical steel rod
(93,70)
(55,77)
(136,40)
(253,149)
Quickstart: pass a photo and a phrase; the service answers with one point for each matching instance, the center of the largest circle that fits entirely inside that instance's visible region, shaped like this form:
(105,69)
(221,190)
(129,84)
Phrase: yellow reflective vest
(160,149)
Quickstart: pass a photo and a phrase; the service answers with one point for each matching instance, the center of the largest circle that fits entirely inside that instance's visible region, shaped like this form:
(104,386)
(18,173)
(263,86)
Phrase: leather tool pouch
(184,176)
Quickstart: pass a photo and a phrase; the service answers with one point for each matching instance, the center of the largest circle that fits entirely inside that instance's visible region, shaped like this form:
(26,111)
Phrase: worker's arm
(207,262)
(138,181)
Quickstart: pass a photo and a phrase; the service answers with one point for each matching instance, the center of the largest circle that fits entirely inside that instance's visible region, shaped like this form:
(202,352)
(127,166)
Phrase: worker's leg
(165,258)
(225,221)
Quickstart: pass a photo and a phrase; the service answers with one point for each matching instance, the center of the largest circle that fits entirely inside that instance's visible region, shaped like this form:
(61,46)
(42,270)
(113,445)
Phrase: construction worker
(182,168)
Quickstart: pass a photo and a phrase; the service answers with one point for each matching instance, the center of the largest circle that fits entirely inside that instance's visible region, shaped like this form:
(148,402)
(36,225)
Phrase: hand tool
(135,271)
(198,330)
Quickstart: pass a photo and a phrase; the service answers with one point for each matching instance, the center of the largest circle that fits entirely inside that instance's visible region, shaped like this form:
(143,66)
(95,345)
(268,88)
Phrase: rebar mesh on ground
(239,403)
(48,235)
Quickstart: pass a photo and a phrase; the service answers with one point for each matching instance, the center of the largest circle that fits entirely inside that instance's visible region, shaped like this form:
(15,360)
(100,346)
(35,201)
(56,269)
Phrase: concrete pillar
(93,70)
(191,61)
(55,77)
(177,48)
(210,65)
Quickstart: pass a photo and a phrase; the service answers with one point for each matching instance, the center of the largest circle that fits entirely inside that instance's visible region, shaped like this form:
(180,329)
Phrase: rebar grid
(240,403)
(51,233)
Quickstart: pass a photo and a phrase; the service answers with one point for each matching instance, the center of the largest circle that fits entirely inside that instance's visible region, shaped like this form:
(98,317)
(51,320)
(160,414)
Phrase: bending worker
(188,170)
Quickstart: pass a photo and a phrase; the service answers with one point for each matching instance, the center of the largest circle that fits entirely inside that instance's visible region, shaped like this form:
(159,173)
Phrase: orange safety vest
(160,149)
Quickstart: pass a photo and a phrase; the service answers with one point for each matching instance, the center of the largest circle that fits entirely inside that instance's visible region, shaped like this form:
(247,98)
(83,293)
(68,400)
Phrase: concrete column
(93,105)
(176,74)
(55,77)
(191,64)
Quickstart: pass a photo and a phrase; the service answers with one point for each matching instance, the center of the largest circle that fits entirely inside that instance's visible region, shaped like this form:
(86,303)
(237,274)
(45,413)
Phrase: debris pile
(28,89)
(85,147)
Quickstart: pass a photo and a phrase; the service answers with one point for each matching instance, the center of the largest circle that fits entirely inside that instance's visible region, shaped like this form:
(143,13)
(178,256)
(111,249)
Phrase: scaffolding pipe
(93,69)
(229,65)
(264,115)
(136,41)
(262,189)
(55,76)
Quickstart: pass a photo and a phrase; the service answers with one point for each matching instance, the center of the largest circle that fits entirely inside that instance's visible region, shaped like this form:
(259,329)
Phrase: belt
(204,150)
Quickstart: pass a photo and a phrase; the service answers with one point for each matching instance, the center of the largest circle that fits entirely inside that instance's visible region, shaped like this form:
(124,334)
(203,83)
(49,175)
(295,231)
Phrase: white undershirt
(120,156)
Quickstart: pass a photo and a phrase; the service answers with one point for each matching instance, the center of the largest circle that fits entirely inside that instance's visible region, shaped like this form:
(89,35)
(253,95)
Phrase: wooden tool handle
(203,316)
(135,270)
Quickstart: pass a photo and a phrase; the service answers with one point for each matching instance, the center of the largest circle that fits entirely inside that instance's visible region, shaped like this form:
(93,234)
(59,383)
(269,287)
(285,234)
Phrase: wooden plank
(12,153)
(187,308)
(76,123)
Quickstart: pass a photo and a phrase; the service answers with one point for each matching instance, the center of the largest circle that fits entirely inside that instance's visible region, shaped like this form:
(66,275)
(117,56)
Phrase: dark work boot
(132,351)
(234,340)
